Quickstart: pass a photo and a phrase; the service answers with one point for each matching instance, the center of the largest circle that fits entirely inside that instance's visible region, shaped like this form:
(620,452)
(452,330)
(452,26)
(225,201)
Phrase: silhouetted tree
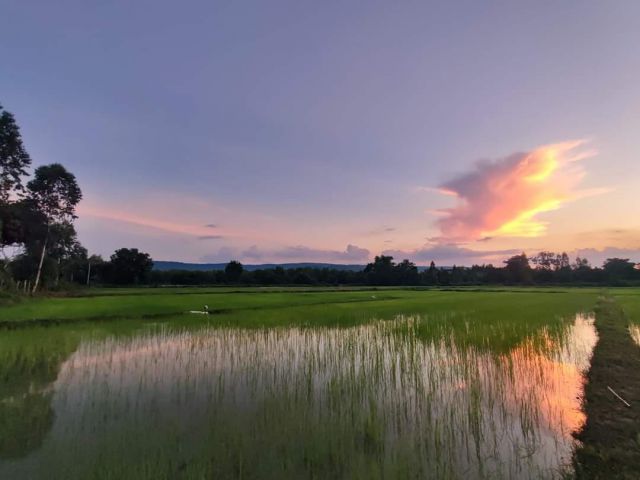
(130,266)
(518,269)
(380,271)
(581,263)
(617,269)
(431,275)
(545,261)
(233,271)
(14,159)
(55,193)
(22,223)
(562,261)
(96,269)
(406,273)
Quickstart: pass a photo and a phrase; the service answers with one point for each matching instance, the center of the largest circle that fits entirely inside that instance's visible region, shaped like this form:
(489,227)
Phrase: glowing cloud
(504,197)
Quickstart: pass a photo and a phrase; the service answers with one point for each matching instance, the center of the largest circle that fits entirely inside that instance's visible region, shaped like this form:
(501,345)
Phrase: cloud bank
(504,197)
(597,256)
(290,254)
(452,255)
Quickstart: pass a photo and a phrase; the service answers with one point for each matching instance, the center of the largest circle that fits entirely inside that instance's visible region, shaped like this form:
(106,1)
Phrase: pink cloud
(505,197)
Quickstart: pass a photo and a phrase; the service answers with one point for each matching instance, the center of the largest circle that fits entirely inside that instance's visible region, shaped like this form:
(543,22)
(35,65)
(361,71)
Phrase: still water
(389,399)
(634,331)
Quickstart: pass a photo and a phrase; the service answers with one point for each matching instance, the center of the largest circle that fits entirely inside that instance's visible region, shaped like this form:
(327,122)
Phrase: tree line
(546,268)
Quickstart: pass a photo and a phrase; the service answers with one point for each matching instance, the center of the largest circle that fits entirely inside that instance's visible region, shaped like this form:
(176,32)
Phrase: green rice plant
(328,390)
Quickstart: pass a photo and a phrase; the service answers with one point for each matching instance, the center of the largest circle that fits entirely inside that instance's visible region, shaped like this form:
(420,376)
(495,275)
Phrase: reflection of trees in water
(29,364)
(24,422)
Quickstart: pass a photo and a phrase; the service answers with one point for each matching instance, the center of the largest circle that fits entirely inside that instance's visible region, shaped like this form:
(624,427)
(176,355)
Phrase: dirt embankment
(611,436)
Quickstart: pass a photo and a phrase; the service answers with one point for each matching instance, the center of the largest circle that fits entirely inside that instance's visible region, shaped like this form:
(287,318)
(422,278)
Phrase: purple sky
(326,131)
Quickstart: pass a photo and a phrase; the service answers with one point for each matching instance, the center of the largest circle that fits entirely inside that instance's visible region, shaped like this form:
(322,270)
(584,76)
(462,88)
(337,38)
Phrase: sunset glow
(498,139)
(506,197)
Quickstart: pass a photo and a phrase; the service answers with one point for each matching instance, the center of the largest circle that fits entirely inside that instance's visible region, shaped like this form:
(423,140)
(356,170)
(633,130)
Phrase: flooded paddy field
(295,384)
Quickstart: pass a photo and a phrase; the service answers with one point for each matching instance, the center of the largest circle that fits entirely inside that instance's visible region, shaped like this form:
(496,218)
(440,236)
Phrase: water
(389,399)
(634,331)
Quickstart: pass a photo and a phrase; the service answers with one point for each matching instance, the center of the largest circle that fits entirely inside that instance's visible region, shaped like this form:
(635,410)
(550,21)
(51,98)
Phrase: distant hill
(163,265)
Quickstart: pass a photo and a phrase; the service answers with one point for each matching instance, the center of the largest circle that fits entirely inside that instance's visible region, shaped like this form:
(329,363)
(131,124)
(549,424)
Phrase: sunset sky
(461,132)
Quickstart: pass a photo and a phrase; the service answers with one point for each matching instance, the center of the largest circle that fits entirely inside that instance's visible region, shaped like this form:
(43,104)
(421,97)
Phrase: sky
(291,131)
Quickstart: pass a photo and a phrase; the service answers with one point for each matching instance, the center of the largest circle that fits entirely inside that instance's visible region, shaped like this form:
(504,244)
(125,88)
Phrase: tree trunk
(58,273)
(89,273)
(44,249)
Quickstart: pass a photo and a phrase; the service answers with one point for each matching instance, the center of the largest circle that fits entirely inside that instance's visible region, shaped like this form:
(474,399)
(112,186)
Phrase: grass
(303,383)
(273,307)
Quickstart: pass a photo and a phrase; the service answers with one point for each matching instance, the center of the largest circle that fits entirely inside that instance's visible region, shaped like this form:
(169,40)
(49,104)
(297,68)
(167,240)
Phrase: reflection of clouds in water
(556,375)
(634,331)
(436,401)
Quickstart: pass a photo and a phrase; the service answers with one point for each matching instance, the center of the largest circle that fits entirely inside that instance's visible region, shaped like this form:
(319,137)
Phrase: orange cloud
(504,198)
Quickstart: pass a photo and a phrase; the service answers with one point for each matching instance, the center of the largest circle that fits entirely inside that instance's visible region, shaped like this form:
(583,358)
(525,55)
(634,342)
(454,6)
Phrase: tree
(130,266)
(69,254)
(431,275)
(619,269)
(14,159)
(407,273)
(381,271)
(545,261)
(581,264)
(21,223)
(562,261)
(96,267)
(233,271)
(55,193)
(518,269)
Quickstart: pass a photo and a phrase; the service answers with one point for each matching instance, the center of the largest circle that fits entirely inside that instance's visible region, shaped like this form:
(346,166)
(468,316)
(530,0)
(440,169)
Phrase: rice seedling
(446,395)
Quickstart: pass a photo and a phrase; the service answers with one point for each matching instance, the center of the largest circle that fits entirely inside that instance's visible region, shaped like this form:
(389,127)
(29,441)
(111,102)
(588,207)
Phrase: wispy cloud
(380,230)
(201,231)
(505,197)
(210,237)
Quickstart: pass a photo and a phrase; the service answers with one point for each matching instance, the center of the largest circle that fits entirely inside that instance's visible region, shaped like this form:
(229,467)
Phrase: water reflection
(29,365)
(380,400)
(634,331)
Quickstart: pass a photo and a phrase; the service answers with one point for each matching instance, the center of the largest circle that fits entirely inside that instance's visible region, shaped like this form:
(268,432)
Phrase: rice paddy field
(297,383)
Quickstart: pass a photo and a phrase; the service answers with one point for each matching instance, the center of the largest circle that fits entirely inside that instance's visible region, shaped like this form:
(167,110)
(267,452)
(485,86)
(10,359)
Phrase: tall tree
(407,273)
(21,223)
(55,193)
(545,261)
(95,268)
(14,159)
(233,271)
(381,271)
(518,269)
(130,266)
(619,269)
(432,274)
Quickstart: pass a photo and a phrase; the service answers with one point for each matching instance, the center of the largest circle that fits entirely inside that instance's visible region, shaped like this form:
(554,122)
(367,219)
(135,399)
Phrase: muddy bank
(611,436)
